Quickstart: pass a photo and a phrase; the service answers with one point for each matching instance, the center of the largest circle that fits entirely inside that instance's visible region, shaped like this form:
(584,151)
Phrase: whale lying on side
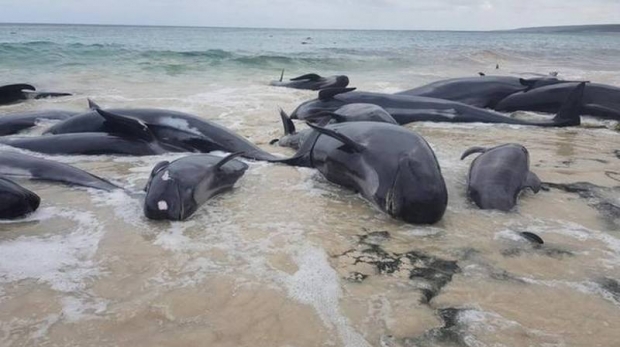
(312,82)
(406,109)
(12,93)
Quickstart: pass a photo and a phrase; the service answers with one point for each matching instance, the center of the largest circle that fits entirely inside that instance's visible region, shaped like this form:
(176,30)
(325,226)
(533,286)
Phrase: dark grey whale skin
(14,93)
(498,175)
(392,167)
(15,200)
(406,109)
(176,130)
(15,122)
(599,100)
(480,91)
(175,190)
(85,144)
(19,165)
(313,82)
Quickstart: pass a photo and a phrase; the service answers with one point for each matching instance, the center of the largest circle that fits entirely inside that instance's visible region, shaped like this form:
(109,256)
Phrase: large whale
(406,109)
(169,128)
(312,82)
(19,165)
(483,91)
(15,200)
(175,190)
(13,123)
(498,175)
(13,93)
(599,100)
(392,167)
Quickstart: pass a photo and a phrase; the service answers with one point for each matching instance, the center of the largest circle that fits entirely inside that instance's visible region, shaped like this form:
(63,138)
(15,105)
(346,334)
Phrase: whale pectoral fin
(329,93)
(289,126)
(127,126)
(157,168)
(349,143)
(93,105)
(473,150)
(226,159)
(16,88)
(282,75)
(533,182)
(311,77)
(570,112)
(482,74)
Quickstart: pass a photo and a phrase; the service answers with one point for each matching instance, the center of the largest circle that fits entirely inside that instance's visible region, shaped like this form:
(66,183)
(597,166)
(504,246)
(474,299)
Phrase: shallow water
(281,260)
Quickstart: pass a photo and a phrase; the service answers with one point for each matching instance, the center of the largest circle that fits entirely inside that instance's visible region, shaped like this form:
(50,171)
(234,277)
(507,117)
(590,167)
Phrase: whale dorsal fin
(473,150)
(349,143)
(289,126)
(532,181)
(127,126)
(93,105)
(571,109)
(226,159)
(329,93)
(16,88)
(311,77)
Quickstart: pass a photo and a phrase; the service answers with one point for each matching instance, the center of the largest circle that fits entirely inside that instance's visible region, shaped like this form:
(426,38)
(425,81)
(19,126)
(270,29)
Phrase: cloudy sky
(337,14)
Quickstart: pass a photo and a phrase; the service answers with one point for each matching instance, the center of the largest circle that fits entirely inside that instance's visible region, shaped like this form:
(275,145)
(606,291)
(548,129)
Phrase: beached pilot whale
(312,81)
(498,175)
(391,166)
(13,123)
(599,100)
(406,109)
(484,91)
(88,144)
(347,113)
(172,130)
(18,165)
(13,93)
(15,200)
(175,190)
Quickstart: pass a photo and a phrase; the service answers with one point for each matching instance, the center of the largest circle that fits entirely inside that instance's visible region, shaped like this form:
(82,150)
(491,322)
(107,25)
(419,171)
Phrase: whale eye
(162,205)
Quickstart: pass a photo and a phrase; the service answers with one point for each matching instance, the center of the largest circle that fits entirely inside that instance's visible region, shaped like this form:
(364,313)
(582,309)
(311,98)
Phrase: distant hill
(603,28)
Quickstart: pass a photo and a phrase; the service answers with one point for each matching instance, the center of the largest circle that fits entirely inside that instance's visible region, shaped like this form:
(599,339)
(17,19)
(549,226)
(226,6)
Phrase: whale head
(166,196)
(418,193)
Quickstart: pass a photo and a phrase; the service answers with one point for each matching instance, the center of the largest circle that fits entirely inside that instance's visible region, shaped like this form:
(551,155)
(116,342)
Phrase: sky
(315,14)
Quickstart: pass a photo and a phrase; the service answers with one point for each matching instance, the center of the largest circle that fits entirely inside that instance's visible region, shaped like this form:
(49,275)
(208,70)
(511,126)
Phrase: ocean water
(274,262)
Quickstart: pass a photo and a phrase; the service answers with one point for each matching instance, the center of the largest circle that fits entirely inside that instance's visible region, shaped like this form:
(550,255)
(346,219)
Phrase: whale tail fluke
(570,112)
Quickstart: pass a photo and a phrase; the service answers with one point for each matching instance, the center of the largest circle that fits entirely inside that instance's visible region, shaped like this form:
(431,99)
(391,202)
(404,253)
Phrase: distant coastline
(600,28)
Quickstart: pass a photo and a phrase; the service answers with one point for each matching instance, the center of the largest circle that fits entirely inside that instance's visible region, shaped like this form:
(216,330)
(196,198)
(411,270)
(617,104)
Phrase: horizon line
(299,28)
